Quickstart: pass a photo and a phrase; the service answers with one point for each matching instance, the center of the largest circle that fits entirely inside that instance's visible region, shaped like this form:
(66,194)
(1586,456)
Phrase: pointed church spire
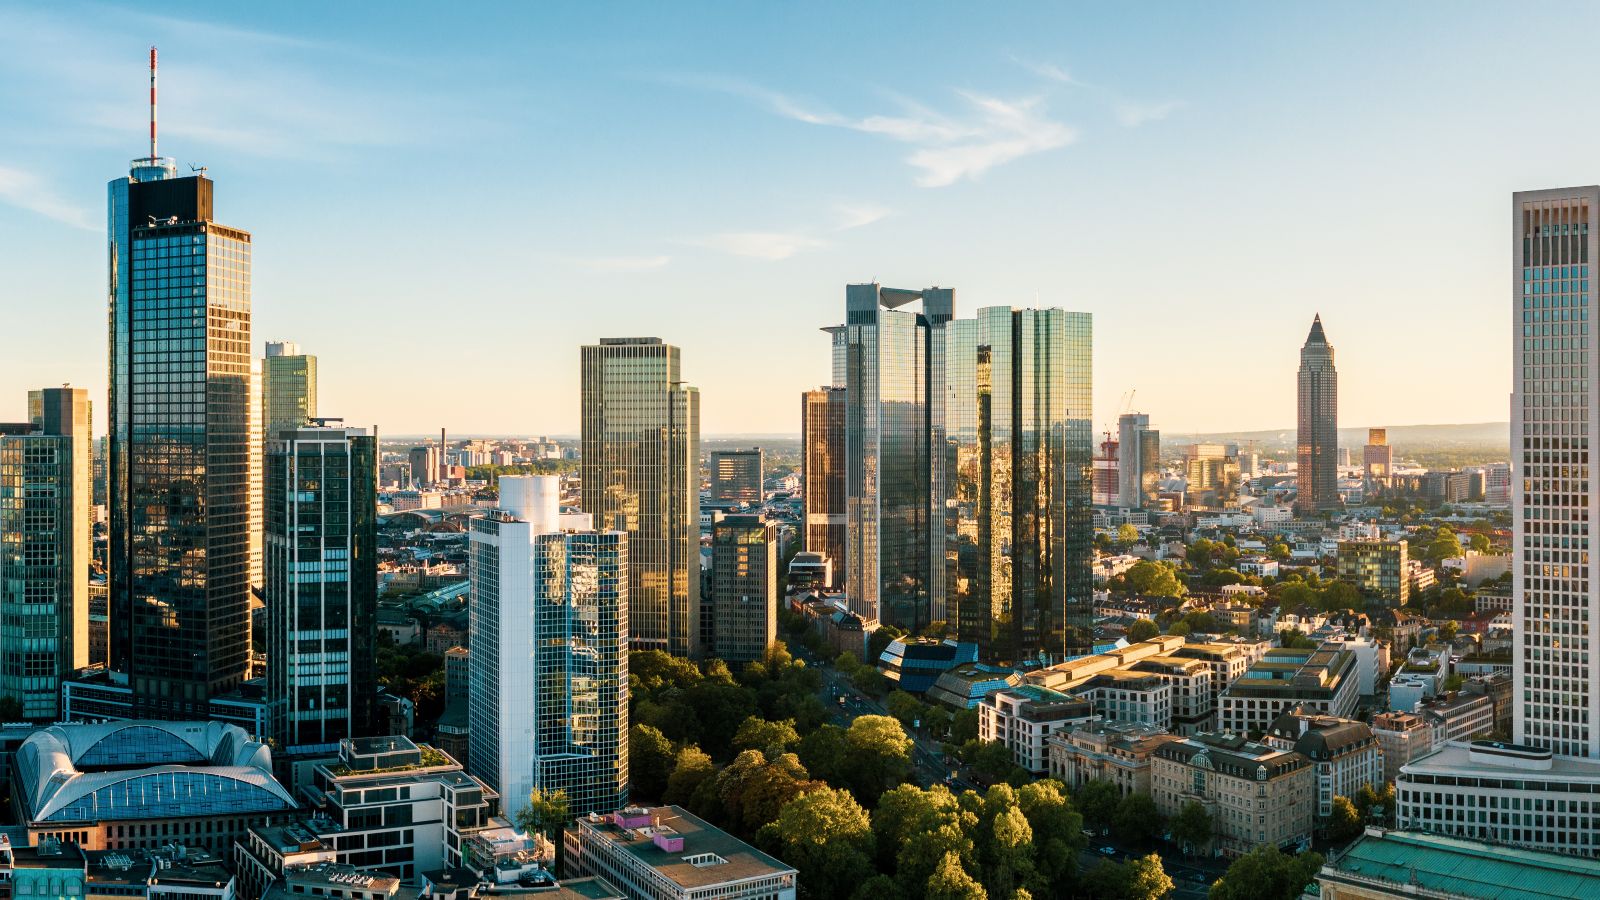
(1316,336)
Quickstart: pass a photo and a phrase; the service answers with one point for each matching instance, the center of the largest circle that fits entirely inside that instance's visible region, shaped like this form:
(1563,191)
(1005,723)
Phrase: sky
(447,200)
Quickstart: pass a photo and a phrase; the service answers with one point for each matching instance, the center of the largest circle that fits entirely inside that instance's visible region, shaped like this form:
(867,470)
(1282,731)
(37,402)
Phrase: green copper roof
(1468,868)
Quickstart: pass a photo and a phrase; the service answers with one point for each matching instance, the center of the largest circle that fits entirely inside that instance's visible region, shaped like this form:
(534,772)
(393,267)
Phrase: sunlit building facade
(1138,461)
(641,476)
(822,417)
(736,476)
(1317,445)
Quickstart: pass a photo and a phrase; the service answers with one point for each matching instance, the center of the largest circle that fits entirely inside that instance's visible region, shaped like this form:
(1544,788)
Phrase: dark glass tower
(321,568)
(180,360)
(1318,445)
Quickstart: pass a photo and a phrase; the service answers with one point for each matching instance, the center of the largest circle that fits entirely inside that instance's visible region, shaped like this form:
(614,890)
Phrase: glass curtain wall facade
(822,418)
(744,587)
(288,388)
(641,476)
(1317,447)
(736,476)
(321,586)
(1139,461)
(1556,663)
(44,551)
(894,418)
(1019,392)
(180,446)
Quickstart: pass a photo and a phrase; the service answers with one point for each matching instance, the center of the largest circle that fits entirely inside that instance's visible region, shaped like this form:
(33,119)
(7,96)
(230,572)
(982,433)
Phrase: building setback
(641,476)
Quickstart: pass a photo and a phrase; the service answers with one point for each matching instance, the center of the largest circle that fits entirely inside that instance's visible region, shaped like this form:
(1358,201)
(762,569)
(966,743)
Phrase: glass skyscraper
(1317,447)
(180,362)
(1138,461)
(288,388)
(548,703)
(641,476)
(894,480)
(44,550)
(1018,413)
(321,568)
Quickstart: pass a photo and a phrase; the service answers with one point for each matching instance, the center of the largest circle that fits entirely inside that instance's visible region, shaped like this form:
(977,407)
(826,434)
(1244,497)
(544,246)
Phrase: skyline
(828,174)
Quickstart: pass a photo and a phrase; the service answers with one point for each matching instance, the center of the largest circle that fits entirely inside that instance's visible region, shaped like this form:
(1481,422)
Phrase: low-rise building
(1255,794)
(1023,718)
(1403,737)
(913,664)
(665,853)
(1344,754)
(1458,716)
(1510,794)
(1411,865)
(1372,660)
(333,881)
(1117,752)
(965,686)
(1318,681)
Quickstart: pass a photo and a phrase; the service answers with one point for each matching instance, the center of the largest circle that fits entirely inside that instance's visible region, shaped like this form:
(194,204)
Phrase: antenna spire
(152,103)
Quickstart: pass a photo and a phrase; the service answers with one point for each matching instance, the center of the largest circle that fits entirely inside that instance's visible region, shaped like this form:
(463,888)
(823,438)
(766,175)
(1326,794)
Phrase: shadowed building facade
(1317,445)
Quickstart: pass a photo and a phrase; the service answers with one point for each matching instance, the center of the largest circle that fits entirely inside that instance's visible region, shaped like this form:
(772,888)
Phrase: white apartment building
(665,853)
(1317,681)
(1023,718)
(1344,753)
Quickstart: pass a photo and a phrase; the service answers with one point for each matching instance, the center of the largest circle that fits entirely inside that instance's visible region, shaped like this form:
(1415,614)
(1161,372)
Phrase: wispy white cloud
(1048,71)
(1132,115)
(768,245)
(622,263)
(1128,113)
(985,132)
(858,215)
(27,191)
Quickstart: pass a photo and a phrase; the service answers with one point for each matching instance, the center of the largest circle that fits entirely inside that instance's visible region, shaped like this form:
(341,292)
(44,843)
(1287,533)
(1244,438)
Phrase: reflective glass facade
(180,446)
(321,586)
(288,390)
(1019,390)
(736,476)
(744,587)
(1317,447)
(822,418)
(1138,461)
(641,476)
(44,551)
(1556,663)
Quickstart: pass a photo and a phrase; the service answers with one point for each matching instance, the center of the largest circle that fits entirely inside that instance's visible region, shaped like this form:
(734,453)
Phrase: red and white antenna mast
(152,103)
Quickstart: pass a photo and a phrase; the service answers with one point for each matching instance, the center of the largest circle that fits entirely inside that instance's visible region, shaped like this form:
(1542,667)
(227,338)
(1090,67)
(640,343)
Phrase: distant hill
(1477,435)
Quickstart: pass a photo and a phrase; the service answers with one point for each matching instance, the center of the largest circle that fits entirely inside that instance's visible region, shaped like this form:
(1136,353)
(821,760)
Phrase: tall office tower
(1556,661)
(1017,414)
(895,490)
(1377,459)
(1317,478)
(1106,487)
(839,354)
(180,351)
(822,413)
(1212,473)
(744,587)
(424,466)
(44,551)
(1138,461)
(288,387)
(321,586)
(548,705)
(736,476)
(641,475)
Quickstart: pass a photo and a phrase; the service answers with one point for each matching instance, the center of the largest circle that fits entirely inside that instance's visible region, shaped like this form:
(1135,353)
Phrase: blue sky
(447,199)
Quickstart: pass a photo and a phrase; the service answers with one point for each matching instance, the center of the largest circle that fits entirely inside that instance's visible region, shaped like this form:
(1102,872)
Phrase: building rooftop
(1399,860)
(1232,755)
(707,856)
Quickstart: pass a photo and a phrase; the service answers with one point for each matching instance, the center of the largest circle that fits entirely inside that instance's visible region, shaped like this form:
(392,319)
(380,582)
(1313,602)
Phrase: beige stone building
(1256,795)
(1118,752)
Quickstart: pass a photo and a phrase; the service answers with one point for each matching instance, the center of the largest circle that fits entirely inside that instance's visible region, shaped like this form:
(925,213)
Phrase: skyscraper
(424,466)
(321,568)
(180,353)
(44,550)
(822,415)
(548,704)
(641,476)
(894,416)
(1317,478)
(744,587)
(1556,662)
(1212,474)
(1138,461)
(1377,459)
(288,387)
(736,476)
(1018,461)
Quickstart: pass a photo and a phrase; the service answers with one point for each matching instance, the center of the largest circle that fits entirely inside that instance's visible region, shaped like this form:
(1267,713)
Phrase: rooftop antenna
(152,103)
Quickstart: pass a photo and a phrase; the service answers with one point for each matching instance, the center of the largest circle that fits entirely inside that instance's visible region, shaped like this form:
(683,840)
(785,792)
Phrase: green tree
(1444,546)
(879,887)
(1192,827)
(1279,551)
(825,754)
(652,670)
(1180,628)
(650,761)
(924,850)
(1098,801)
(1153,578)
(827,837)
(1136,820)
(1267,873)
(1448,630)
(1147,880)
(1005,843)
(1127,535)
(544,814)
(964,726)
(692,768)
(1344,823)
(721,709)
(1142,630)
(1479,542)
(951,882)
(1340,595)
(1293,639)
(879,755)
(1106,880)
(1057,830)
(905,810)
(904,707)
(989,759)
(771,738)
